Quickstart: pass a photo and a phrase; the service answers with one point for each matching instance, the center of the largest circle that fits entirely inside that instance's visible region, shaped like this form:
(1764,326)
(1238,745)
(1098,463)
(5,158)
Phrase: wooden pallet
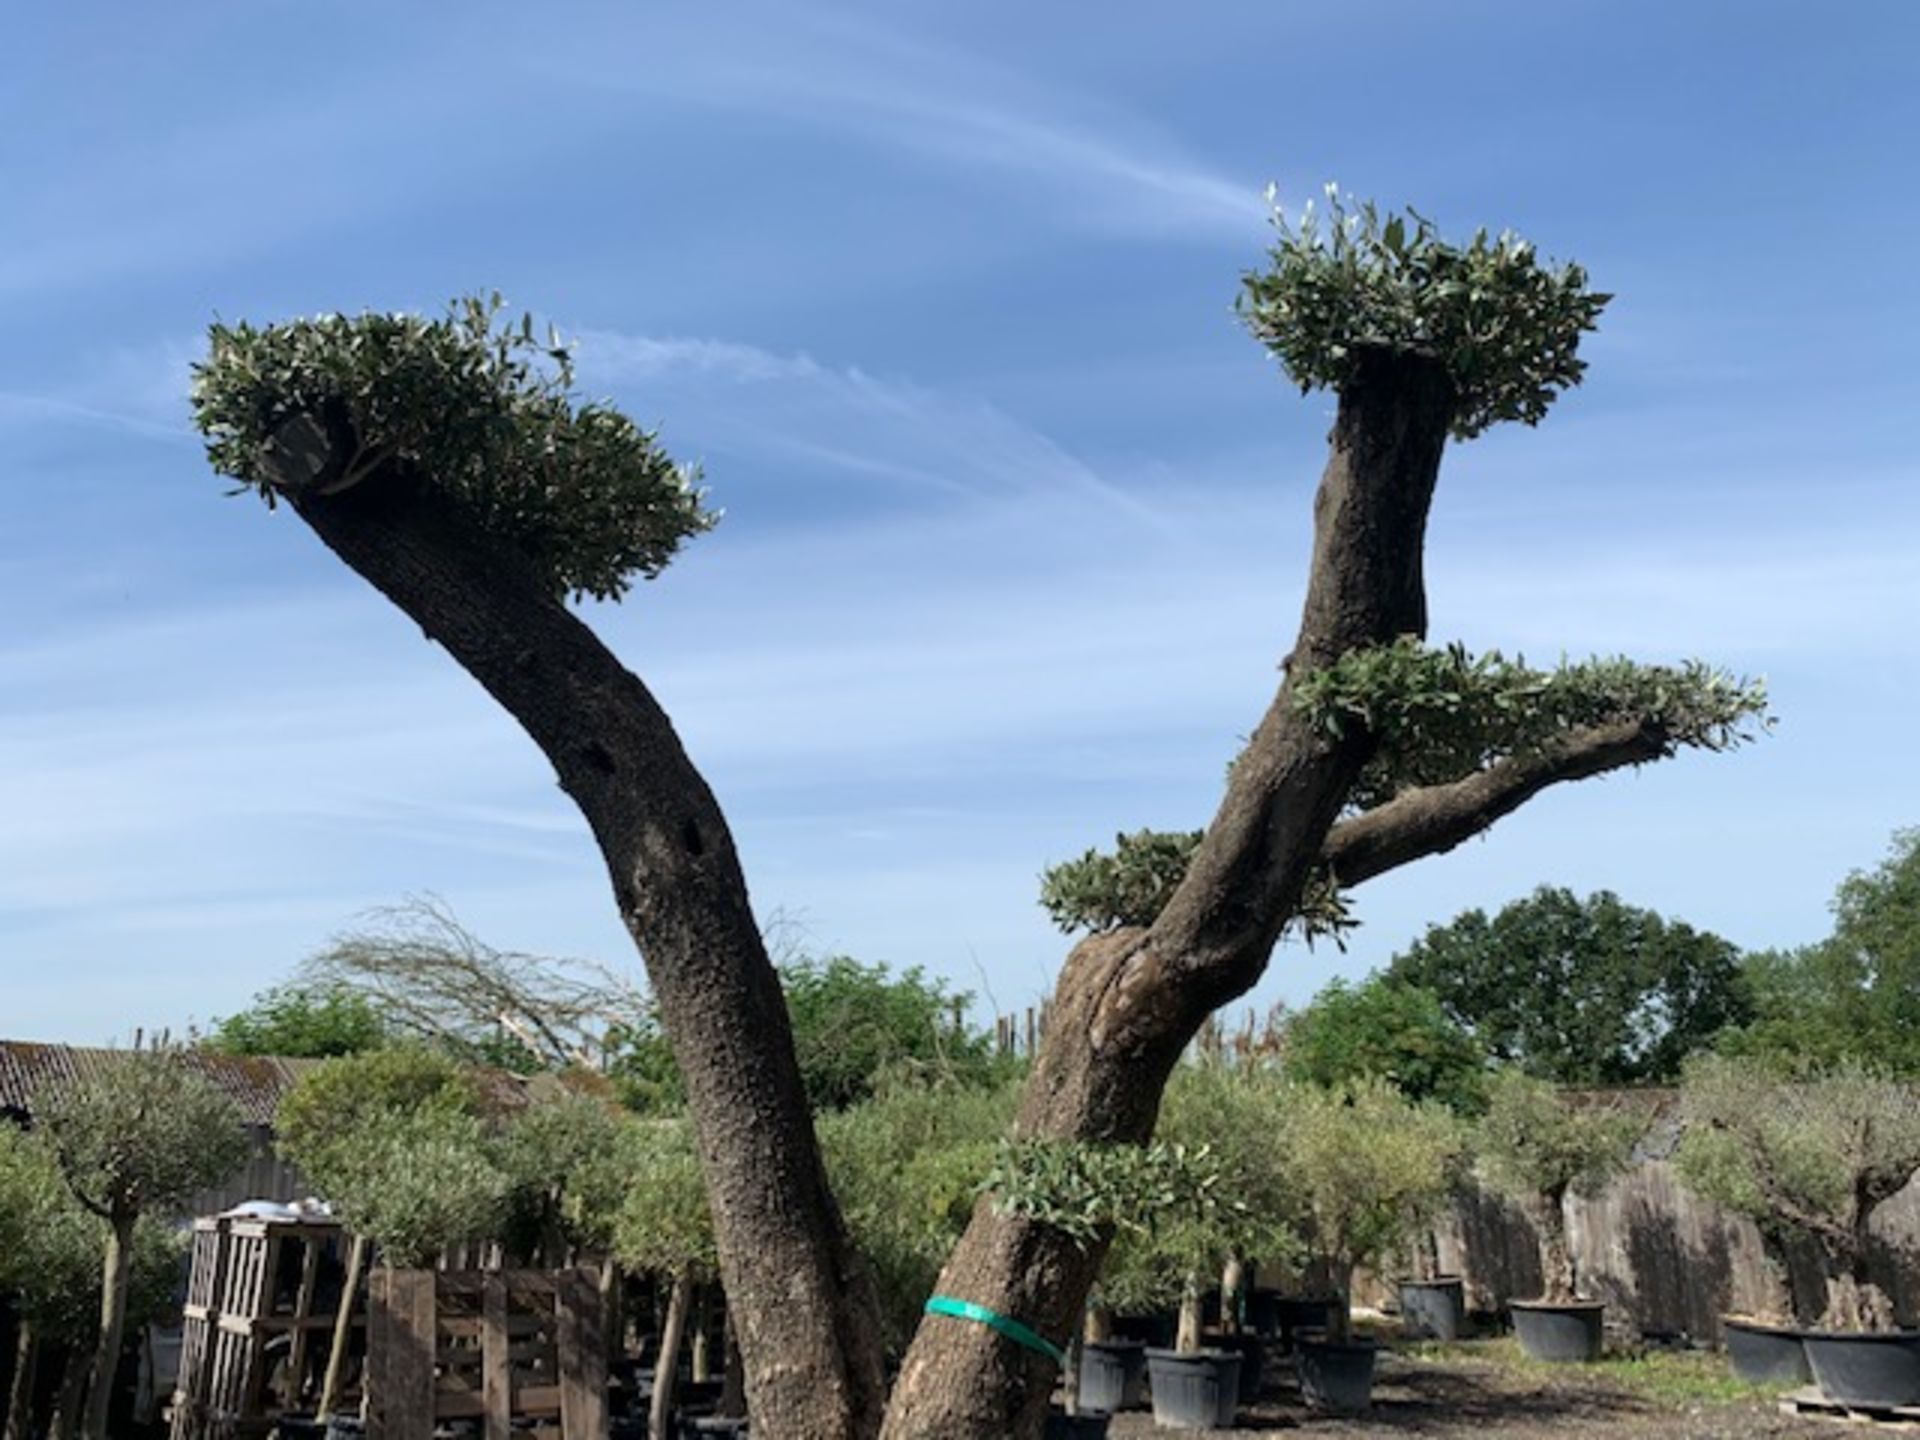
(1810,1401)
(251,1323)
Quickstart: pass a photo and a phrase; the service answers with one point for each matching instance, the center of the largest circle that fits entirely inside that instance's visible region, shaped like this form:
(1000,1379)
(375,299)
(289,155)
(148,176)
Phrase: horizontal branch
(1431,819)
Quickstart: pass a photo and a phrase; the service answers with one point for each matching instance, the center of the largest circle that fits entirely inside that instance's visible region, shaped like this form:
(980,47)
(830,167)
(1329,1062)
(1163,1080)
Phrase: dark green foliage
(565,1161)
(1506,326)
(1584,992)
(852,1025)
(1386,1030)
(1439,714)
(313,1022)
(481,412)
(1856,994)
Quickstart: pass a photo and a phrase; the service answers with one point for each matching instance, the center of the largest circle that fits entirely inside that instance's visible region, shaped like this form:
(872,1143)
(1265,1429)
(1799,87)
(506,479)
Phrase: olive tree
(394,1140)
(447,462)
(1537,1144)
(665,1228)
(138,1136)
(52,1256)
(1367,1166)
(1814,1156)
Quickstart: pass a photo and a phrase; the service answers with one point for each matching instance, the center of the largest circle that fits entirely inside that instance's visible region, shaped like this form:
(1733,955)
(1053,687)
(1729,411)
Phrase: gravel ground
(1459,1397)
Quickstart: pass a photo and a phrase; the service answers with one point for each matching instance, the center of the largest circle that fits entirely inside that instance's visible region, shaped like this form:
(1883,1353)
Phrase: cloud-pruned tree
(447,463)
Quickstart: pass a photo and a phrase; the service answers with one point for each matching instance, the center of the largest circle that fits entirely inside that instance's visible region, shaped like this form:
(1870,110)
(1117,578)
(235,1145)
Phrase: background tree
(855,1027)
(1537,1144)
(1855,995)
(1814,1155)
(1585,992)
(447,463)
(434,981)
(137,1137)
(1388,1030)
(314,1022)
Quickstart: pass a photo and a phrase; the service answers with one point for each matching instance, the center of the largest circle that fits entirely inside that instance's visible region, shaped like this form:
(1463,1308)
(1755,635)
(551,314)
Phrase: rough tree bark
(118,1271)
(1549,1215)
(804,1304)
(1127,1003)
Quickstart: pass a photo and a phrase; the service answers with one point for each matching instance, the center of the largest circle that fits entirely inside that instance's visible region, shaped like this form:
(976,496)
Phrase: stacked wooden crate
(521,1352)
(258,1322)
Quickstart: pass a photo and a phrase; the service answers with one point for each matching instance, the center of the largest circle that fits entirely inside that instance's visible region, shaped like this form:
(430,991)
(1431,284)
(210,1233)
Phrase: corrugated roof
(254,1083)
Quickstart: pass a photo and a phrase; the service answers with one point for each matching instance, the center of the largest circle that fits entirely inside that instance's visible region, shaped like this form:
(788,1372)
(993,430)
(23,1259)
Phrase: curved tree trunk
(808,1321)
(343,1327)
(116,1278)
(1127,1003)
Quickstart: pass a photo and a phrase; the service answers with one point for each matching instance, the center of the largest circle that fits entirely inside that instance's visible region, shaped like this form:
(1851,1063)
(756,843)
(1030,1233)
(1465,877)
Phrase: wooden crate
(255,1314)
(499,1346)
(1811,1401)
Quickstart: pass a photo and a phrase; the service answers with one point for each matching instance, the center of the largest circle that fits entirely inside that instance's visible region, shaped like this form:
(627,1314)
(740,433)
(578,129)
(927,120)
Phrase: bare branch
(1430,819)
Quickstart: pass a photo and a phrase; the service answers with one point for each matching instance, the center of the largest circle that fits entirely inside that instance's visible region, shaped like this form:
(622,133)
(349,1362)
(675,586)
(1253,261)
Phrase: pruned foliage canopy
(477,409)
(1506,325)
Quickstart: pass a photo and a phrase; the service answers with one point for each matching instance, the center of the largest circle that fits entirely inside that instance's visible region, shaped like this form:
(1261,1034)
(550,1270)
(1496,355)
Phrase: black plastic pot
(1434,1309)
(1765,1354)
(1200,1391)
(299,1427)
(1871,1370)
(1113,1375)
(1087,1425)
(346,1427)
(714,1427)
(1562,1332)
(1337,1376)
(1295,1313)
(1252,1352)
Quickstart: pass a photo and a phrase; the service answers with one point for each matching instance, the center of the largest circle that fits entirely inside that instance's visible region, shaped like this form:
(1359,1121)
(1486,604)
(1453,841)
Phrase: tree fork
(807,1316)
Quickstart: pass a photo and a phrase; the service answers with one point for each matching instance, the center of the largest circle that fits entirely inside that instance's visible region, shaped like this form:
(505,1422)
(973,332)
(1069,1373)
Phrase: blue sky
(1016,517)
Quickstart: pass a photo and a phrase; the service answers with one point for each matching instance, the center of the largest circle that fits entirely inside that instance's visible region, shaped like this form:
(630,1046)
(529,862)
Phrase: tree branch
(1432,819)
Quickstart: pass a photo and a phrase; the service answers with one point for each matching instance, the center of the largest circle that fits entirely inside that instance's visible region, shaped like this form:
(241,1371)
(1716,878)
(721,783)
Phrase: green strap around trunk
(994,1320)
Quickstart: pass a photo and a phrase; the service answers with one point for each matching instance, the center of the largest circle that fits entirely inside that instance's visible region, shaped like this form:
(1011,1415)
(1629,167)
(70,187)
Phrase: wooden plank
(583,1356)
(497,1378)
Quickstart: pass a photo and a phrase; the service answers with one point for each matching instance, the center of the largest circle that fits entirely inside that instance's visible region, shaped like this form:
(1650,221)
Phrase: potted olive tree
(1537,1144)
(1368,1166)
(1818,1157)
(136,1138)
(1735,1151)
(395,1140)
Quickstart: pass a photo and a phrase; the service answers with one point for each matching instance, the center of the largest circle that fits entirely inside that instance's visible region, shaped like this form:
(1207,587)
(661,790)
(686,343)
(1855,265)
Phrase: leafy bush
(663,1226)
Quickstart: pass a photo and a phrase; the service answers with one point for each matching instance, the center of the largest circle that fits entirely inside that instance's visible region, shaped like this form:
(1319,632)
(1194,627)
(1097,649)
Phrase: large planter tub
(1763,1354)
(1434,1309)
(1873,1370)
(1560,1331)
(1200,1391)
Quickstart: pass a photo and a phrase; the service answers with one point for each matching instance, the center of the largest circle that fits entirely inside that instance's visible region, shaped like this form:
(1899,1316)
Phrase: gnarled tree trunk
(117,1279)
(26,1355)
(1128,1002)
(1548,1211)
(802,1299)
